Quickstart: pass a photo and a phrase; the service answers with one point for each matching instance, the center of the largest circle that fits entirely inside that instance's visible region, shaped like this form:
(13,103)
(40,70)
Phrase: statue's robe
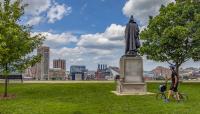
(131,37)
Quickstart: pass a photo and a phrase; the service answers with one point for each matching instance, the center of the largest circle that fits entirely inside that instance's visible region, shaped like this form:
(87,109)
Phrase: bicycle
(162,93)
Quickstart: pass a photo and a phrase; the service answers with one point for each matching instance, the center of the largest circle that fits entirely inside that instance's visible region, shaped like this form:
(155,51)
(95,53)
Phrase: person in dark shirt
(174,84)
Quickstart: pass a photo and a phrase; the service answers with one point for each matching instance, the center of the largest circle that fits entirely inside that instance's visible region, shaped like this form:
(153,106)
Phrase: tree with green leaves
(16,41)
(173,36)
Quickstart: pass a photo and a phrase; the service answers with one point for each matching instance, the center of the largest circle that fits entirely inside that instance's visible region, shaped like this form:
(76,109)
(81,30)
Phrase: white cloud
(66,52)
(112,38)
(58,40)
(142,9)
(35,20)
(70,54)
(39,10)
(36,7)
(57,12)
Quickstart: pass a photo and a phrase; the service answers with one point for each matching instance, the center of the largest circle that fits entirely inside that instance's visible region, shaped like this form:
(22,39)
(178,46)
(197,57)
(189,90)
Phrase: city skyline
(79,35)
(156,64)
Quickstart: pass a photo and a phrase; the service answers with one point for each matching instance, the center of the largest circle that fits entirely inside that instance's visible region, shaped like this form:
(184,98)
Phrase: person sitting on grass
(174,84)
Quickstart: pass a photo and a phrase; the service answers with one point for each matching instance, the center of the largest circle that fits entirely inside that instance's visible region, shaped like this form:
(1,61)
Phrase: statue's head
(131,19)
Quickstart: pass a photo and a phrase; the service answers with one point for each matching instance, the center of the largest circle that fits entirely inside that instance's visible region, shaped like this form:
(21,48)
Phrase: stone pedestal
(134,88)
(131,71)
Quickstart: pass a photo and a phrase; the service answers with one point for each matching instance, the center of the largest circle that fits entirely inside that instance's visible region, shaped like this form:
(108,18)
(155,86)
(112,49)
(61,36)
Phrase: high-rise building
(59,64)
(78,72)
(43,65)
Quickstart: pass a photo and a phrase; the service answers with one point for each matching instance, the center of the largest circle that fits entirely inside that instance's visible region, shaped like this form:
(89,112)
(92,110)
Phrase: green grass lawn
(92,99)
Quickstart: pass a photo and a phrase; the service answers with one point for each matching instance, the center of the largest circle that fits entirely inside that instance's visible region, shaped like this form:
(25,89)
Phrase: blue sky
(89,32)
(88,16)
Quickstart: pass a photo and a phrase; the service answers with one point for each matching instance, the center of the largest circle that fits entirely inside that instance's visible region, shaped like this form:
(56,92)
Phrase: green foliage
(174,34)
(16,41)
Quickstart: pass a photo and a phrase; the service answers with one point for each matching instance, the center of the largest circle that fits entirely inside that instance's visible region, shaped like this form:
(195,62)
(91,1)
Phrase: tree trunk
(6,83)
(177,70)
(6,87)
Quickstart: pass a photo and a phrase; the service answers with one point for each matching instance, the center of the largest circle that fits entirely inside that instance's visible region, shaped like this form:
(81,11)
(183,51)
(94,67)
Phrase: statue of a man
(132,37)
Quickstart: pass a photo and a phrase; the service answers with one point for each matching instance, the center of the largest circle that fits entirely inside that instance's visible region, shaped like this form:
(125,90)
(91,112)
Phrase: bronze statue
(132,38)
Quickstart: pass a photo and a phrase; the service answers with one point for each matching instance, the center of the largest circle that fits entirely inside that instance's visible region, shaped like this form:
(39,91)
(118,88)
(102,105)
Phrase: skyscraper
(59,63)
(43,65)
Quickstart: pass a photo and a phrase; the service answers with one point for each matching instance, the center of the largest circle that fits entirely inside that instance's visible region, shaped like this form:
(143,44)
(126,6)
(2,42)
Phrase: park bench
(13,77)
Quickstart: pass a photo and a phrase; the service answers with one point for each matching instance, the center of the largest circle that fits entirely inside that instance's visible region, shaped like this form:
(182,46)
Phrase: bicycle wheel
(160,96)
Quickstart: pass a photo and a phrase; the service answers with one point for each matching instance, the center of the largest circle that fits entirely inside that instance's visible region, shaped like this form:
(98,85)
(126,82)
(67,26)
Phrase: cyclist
(174,84)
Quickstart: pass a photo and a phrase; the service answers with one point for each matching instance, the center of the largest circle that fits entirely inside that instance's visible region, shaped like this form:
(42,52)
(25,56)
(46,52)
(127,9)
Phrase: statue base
(131,71)
(133,88)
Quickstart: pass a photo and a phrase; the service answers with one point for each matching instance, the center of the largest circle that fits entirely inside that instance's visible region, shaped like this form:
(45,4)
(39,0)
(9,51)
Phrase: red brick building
(60,63)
